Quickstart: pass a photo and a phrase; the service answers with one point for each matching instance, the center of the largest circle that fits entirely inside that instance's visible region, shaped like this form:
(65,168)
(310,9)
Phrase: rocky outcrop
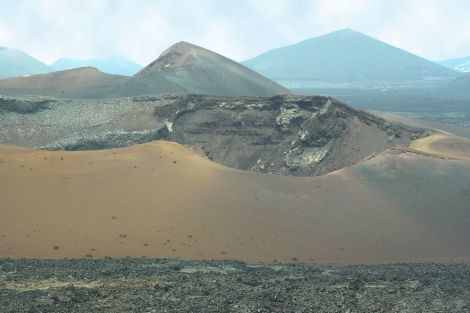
(283,135)
(19,105)
(178,285)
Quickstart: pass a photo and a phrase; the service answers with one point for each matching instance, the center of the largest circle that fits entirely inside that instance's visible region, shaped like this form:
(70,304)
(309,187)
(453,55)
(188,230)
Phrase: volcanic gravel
(145,285)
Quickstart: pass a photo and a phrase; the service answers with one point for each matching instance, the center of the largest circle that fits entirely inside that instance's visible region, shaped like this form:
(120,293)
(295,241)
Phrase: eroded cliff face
(282,135)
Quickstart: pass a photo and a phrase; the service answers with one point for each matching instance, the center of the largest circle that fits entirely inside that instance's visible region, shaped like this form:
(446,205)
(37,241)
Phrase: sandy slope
(444,144)
(163,200)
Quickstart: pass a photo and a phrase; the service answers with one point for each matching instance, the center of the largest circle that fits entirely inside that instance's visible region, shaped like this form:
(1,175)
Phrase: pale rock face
(286,116)
(169,125)
(307,157)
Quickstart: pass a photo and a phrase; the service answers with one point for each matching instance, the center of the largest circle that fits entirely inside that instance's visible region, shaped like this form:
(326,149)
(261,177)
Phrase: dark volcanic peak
(185,68)
(346,56)
(283,135)
(175,56)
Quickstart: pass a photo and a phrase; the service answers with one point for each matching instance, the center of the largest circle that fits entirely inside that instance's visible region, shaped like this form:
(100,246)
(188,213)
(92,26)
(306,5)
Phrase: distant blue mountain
(113,65)
(460,85)
(346,56)
(458,64)
(14,62)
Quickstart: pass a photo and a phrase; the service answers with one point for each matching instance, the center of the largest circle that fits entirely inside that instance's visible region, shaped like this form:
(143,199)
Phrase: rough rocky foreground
(283,135)
(141,285)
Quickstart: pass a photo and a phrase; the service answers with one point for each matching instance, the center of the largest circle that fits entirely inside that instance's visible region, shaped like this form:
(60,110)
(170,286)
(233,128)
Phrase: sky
(142,29)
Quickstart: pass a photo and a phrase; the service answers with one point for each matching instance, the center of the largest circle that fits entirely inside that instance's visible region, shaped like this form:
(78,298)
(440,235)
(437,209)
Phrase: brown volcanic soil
(163,200)
(85,82)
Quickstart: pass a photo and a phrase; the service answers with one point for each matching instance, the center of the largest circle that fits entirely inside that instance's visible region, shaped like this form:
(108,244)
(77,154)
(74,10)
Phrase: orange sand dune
(164,200)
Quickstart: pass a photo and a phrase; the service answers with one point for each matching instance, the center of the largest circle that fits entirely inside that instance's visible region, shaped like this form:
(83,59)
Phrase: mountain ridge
(15,63)
(188,68)
(345,56)
(116,65)
(459,64)
(194,70)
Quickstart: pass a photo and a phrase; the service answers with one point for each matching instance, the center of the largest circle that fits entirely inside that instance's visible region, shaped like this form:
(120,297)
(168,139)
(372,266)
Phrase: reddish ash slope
(85,82)
(163,200)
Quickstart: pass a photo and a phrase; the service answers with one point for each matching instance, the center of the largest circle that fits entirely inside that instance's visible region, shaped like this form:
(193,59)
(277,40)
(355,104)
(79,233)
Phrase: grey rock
(161,285)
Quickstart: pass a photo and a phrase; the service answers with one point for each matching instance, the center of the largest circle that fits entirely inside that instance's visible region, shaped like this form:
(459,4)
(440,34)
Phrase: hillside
(346,56)
(182,69)
(190,69)
(460,85)
(86,82)
(458,64)
(15,63)
(113,65)
(164,200)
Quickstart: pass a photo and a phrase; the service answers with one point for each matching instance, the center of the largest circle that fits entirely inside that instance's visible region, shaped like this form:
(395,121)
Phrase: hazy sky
(142,29)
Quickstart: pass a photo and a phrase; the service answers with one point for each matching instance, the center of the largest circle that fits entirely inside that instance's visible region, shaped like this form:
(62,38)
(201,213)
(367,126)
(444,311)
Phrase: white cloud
(49,29)
(3,35)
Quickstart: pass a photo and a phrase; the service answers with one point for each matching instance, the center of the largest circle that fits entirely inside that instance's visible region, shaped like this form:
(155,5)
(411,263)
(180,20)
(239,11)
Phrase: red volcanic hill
(84,82)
